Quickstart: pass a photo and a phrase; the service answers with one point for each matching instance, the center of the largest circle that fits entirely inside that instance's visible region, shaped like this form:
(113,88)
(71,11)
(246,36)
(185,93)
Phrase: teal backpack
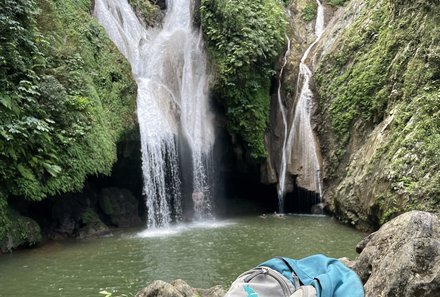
(314,276)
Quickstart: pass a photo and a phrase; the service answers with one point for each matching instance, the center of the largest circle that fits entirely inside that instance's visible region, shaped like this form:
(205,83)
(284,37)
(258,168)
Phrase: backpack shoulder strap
(283,266)
(296,280)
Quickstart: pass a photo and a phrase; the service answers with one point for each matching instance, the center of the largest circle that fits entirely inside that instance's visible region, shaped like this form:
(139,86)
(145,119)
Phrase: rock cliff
(376,109)
(377,76)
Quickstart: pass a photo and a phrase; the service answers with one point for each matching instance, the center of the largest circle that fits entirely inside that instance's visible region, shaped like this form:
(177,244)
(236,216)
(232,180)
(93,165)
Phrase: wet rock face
(85,214)
(91,225)
(178,288)
(402,258)
(300,37)
(371,173)
(120,207)
(161,3)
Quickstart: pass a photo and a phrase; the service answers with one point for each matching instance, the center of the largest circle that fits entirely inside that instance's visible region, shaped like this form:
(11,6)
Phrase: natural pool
(203,254)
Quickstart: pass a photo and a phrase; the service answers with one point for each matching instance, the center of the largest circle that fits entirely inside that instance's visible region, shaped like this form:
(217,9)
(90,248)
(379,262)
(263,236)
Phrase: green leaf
(5,135)
(53,170)
(25,172)
(11,153)
(6,101)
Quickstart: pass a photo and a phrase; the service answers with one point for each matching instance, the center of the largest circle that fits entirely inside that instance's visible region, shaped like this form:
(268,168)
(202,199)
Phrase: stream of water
(299,146)
(202,254)
(283,167)
(169,65)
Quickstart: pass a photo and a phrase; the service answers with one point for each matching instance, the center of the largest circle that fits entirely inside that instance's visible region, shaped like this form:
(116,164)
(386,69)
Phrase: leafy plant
(65,97)
(244,38)
(309,11)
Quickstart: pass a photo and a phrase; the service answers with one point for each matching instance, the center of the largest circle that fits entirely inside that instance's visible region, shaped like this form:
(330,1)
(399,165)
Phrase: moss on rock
(336,2)
(91,224)
(384,71)
(20,232)
(146,11)
(309,11)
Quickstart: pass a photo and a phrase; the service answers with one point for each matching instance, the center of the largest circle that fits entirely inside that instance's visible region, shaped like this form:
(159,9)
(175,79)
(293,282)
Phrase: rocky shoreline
(401,259)
(178,288)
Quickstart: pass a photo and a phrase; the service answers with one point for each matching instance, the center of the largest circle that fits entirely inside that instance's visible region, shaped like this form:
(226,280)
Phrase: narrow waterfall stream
(169,66)
(300,139)
(282,178)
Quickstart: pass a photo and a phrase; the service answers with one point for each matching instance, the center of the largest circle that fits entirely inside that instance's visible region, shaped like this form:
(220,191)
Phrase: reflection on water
(202,254)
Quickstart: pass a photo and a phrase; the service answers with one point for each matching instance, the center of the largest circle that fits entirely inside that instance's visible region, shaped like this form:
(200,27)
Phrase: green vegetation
(336,2)
(309,11)
(387,64)
(414,150)
(65,97)
(356,84)
(146,11)
(89,216)
(21,231)
(244,38)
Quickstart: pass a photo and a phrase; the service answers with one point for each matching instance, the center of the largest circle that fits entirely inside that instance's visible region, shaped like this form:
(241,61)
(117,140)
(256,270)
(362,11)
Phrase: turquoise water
(202,254)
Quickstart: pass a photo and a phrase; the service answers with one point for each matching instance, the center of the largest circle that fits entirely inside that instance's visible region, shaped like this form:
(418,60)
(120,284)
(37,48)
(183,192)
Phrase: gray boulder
(178,288)
(402,258)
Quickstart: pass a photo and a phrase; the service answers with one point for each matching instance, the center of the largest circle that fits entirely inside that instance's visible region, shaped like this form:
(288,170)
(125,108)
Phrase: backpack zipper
(274,274)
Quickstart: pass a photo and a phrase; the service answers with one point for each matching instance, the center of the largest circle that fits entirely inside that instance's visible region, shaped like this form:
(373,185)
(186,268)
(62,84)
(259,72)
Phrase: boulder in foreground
(178,288)
(402,258)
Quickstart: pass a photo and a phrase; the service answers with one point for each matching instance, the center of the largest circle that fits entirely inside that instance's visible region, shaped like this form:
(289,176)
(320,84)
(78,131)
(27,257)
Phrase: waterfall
(170,69)
(300,138)
(282,179)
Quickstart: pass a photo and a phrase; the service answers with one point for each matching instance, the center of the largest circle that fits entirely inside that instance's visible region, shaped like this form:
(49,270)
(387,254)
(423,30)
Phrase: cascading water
(170,68)
(300,138)
(282,179)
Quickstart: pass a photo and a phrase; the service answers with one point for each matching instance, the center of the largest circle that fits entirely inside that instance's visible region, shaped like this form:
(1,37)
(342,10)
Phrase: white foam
(171,69)
(183,227)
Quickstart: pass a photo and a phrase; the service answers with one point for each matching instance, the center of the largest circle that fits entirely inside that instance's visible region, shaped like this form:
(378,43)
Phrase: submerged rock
(402,258)
(178,288)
